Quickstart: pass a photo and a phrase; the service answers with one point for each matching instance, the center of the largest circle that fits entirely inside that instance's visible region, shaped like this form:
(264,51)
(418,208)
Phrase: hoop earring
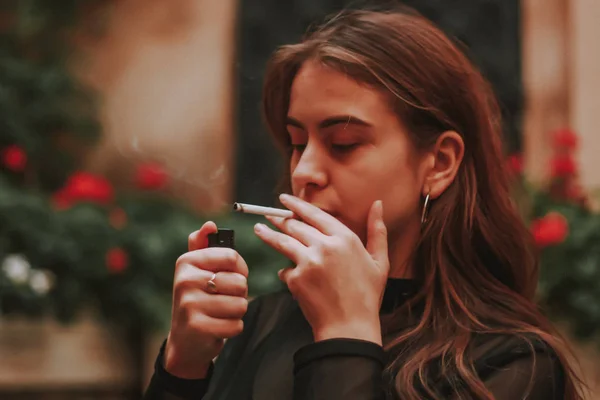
(425,209)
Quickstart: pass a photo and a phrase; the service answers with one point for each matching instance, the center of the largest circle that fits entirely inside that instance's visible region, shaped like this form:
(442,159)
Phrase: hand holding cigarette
(337,281)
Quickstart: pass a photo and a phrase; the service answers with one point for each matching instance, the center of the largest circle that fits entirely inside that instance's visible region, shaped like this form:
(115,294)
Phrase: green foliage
(72,246)
(43,108)
(569,285)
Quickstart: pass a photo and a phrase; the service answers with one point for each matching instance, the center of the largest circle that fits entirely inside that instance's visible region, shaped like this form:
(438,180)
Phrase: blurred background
(124,125)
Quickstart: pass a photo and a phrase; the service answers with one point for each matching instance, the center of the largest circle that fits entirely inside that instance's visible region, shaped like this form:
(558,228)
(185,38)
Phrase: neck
(401,245)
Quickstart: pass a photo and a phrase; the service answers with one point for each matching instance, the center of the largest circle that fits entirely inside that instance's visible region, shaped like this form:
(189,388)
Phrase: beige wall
(165,71)
(545,79)
(561,60)
(585,85)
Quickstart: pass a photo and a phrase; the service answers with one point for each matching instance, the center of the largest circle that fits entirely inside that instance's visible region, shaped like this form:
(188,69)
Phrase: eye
(344,148)
(298,147)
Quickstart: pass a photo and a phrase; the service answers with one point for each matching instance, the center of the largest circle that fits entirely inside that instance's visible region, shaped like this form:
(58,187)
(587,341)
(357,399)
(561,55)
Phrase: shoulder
(514,364)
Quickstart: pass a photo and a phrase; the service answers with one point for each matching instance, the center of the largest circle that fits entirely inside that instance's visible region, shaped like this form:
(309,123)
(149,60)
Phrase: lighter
(222,238)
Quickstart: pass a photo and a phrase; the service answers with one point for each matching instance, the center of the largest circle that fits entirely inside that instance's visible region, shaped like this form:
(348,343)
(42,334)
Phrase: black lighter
(222,238)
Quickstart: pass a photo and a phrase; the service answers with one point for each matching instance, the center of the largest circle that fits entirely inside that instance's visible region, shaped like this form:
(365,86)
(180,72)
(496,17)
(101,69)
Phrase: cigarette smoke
(177,166)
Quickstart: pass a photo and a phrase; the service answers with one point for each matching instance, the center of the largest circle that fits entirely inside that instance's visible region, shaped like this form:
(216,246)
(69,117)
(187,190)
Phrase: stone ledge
(46,354)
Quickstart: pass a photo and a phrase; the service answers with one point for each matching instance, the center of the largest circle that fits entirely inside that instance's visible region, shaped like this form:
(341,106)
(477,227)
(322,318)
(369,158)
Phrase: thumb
(377,241)
(199,239)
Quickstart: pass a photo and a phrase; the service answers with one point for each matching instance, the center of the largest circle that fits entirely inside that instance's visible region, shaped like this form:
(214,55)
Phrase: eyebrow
(331,121)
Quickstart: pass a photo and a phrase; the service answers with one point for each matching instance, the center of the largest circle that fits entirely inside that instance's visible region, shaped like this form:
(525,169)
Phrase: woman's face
(350,149)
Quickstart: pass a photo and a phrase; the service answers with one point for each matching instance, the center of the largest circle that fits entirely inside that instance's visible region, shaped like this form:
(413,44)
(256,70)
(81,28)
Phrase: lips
(328,211)
(332,213)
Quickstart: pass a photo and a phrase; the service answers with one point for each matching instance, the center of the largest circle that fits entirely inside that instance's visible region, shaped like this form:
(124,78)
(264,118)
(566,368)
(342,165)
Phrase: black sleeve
(520,372)
(337,369)
(165,386)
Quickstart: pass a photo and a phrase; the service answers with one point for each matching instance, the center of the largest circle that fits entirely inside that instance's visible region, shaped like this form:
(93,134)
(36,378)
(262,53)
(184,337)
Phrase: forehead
(319,89)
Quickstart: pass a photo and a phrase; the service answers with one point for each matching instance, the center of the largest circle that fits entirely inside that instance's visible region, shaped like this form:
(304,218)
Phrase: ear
(444,161)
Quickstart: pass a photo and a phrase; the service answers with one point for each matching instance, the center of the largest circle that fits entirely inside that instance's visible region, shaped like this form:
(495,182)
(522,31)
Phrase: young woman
(414,277)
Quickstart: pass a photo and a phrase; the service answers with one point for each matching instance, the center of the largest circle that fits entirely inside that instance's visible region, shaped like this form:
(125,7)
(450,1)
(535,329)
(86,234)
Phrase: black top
(276,358)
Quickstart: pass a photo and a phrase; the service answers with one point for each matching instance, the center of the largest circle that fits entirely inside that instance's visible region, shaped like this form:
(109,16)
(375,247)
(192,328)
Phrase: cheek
(399,189)
(396,187)
(402,201)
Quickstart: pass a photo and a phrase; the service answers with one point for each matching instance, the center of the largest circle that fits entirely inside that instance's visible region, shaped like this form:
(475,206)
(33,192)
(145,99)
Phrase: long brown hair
(476,260)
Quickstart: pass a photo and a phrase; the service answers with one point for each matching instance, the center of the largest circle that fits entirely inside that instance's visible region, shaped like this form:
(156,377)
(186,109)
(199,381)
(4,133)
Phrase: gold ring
(211,286)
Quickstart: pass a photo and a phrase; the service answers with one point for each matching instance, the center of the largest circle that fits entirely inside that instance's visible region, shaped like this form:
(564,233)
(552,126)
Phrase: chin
(342,220)
(358,228)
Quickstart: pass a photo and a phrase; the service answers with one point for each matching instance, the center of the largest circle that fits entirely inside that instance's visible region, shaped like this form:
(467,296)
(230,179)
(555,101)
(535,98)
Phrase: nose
(310,170)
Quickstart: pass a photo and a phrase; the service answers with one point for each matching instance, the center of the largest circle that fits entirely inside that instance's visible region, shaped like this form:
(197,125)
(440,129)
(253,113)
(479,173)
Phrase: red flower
(563,166)
(117,260)
(14,158)
(84,186)
(150,176)
(515,164)
(550,230)
(565,138)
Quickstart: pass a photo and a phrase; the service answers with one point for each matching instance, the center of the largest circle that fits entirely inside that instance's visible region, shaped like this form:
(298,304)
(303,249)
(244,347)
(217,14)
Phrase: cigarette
(260,210)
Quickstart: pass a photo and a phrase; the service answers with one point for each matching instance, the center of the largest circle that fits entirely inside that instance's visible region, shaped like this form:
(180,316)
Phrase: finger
(227,283)
(377,241)
(288,276)
(312,215)
(189,277)
(216,259)
(194,302)
(226,328)
(222,306)
(199,239)
(299,230)
(282,243)
(220,328)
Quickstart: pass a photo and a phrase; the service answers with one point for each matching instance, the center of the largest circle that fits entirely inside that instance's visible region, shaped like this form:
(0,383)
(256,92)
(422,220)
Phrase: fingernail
(379,207)
(258,227)
(284,197)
